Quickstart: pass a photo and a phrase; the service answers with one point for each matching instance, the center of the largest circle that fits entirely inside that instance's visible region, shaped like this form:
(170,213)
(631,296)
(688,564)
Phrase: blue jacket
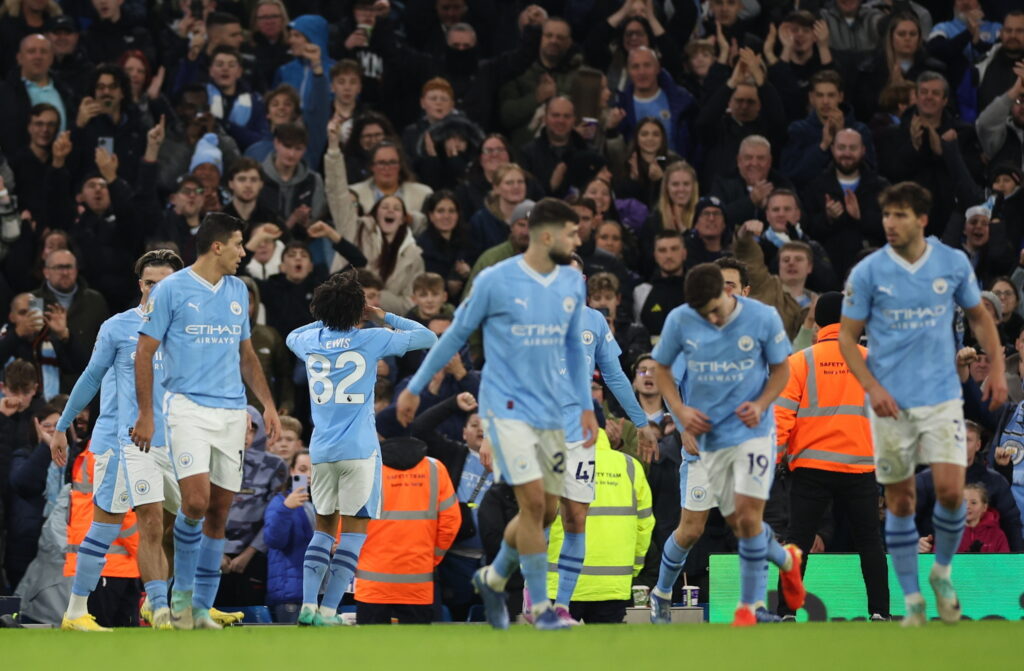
(803,159)
(286,531)
(315,91)
(681,105)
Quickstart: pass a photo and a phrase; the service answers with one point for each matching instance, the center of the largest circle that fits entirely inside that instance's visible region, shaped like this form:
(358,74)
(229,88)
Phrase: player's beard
(560,258)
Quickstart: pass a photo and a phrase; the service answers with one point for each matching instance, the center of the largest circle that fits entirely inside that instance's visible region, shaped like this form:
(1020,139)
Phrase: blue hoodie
(314,91)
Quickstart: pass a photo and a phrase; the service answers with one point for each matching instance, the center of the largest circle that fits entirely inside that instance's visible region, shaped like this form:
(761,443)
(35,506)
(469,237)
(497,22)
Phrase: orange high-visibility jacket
(122,557)
(419,520)
(821,416)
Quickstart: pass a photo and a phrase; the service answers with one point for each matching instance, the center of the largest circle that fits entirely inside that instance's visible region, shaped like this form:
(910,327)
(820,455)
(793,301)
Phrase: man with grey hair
(915,150)
(1001,125)
(652,93)
(29,84)
(744,193)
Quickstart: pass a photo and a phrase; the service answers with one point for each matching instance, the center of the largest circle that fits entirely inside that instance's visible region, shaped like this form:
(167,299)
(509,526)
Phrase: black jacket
(15,109)
(87,313)
(27,482)
(736,203)
(540,159)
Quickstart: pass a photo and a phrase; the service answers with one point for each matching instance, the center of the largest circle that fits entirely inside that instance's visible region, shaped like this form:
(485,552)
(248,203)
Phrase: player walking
(906,294)
(200,317)
(528,306)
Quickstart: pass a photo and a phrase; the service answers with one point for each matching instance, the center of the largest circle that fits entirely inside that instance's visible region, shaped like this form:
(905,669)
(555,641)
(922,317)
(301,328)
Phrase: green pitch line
(827,646)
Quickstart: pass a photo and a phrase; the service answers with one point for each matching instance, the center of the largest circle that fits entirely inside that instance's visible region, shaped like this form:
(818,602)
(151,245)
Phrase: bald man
(652,93)
(27,85)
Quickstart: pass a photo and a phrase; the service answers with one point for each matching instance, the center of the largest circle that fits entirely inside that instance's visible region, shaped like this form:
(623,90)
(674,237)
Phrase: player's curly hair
(159,258)
(339,302)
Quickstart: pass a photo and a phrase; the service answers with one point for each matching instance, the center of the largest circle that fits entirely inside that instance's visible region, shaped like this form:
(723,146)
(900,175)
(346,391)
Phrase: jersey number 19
(319,370)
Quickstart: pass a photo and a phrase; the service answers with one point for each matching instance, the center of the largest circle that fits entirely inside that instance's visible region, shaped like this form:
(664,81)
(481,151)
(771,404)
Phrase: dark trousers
(810,492)
(599,612)
(454,574)
(248,588)
(393,613)
(115,602)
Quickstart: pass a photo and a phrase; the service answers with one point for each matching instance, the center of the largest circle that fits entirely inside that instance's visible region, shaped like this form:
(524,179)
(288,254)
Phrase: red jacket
(986,537)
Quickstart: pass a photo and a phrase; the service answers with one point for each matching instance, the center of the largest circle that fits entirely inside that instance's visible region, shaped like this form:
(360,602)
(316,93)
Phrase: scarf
(241,110)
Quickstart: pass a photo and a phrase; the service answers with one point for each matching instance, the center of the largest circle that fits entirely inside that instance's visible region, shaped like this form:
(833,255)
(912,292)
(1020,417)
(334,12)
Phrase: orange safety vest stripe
(821,415)
(419,520)
(122,556)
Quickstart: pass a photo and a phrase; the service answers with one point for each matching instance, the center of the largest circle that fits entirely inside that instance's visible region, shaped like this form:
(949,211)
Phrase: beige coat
(413,194)
(365,234)
(766,287)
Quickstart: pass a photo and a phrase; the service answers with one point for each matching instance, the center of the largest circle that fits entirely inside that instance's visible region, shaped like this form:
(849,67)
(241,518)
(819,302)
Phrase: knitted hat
(976,211)
(704,203)
(207,151)
(522,211)
(828,309)
(996,303)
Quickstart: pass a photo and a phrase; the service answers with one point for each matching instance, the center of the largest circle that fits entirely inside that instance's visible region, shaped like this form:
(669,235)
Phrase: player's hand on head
(405,409)
(375,315)
(750,413)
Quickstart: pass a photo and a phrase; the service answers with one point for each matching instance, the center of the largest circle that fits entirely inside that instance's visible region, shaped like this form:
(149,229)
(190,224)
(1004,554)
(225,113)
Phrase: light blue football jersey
(341,367)
(98,376)
(200,327)
(602,352)
(526,319)
(726,365)
(908,311)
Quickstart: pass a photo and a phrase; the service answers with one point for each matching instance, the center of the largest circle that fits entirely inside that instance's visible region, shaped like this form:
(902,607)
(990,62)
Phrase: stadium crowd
(409,141)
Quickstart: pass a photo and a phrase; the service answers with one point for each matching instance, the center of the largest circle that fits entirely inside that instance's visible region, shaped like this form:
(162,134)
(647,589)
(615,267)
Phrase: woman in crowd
(646,159)
(445,242)
(495,151)
(1012,322)
(287,528)
(368,130)
(629,212)
(145,87)
(673,211)
(490,224)
(390,176)
(982,533)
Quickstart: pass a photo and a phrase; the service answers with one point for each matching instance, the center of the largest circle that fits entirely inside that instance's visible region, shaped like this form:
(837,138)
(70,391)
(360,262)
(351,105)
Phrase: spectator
(1001,124)
(853,29)
(674,208)
(395,575)
(367,36)
(652,93)
(430,299)
(999,496)
(631,26)
(647,389)
(461,458)
(245,183)
(489,225)
(997,72)
(70,64)
(604,296)
(18,20)
(805,52)
(808,149)
(75,314)
(647,156)
(841,208)
(275,360)
(28,335)
(233,102)
(269,29)
(283,107)
(385,235)
(368,130)
(902,58)
(655,298)
(32,165)
(548,155)
(983,241)
(445,242)
(744,194)
(144,87)
(346,85)
(390,176)
(292,188)
(27,485)
(518,240)
(1008,200)
(914,150)
(708,239)
(783,217)
(286,532)
(244,581)
(307,73)
(287,293)
(549,75)
(765,287)
(289,443)
(960,44)
(441,141)
(31,83)
(1012,321)
(982,532)
(114,33)
(181,221)
(748,104)
(107,120)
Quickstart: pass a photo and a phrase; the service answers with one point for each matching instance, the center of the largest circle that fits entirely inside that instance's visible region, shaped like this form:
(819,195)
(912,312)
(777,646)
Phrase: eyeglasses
(711,213)
(644,372)
(1006,293)
(387,164)
(108,87)
(62,268)
(198,191)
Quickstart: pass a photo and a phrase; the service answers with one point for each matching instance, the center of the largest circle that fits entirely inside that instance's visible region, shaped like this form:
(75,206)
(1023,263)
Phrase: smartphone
(300,482)
(36,304)
(106,144)
(662,160)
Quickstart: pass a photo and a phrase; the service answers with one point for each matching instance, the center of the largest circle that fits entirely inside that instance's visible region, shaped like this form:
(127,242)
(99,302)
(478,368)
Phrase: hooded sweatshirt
(314,90)
(987,536)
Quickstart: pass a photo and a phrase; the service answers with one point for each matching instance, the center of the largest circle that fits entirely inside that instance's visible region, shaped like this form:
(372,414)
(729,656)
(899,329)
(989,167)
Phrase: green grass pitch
(829,646)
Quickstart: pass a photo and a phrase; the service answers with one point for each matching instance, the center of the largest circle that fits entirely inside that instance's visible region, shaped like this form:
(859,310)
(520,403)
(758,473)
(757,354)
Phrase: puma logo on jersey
(521,301)
(885,290)
(194,306)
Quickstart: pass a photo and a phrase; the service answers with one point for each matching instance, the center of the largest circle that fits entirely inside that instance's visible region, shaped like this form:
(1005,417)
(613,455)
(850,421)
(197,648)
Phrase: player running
(124,477)
(735,351)
(528,306)
(341,364)
(200,318)
(906,295)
